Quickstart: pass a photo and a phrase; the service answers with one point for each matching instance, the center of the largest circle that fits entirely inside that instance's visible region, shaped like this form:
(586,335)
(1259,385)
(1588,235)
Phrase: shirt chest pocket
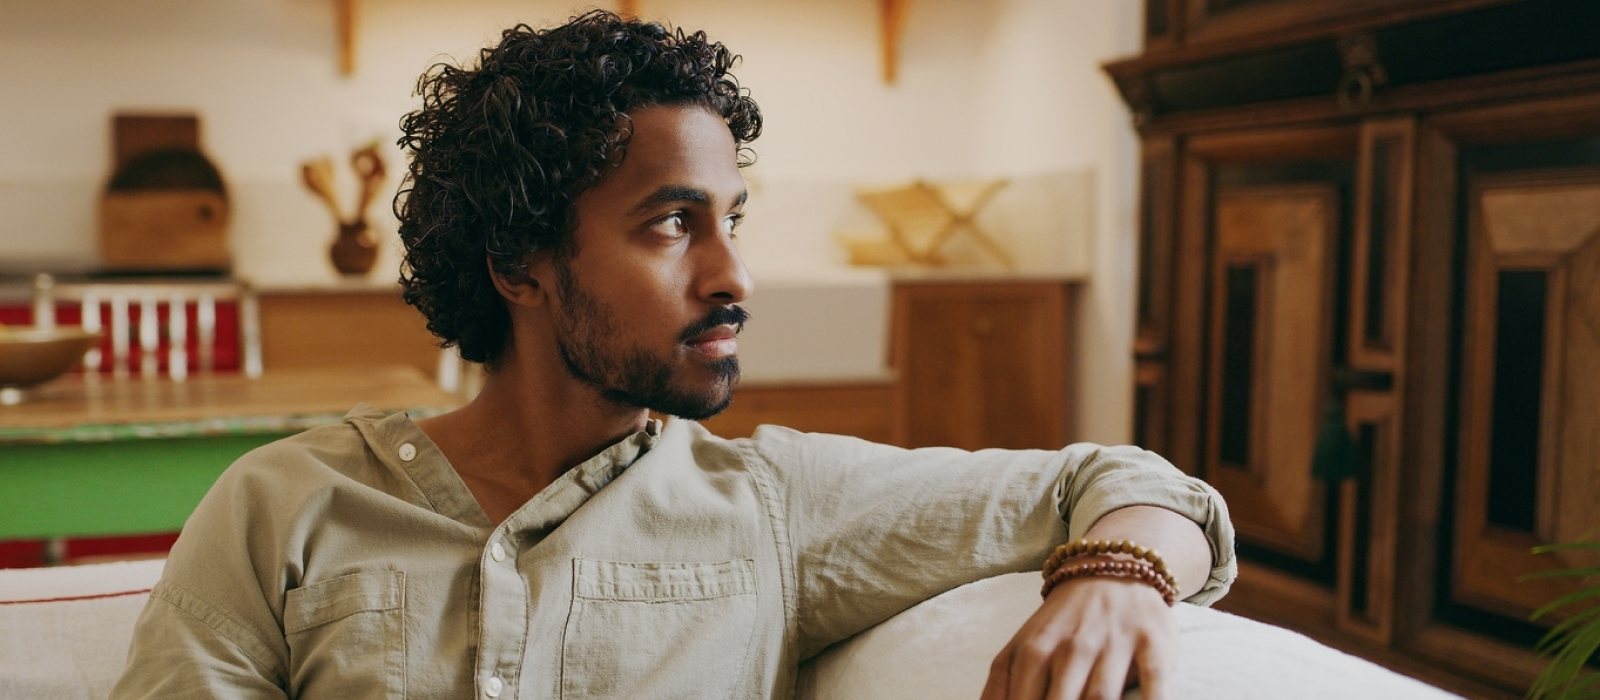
(346,637)
(658,630)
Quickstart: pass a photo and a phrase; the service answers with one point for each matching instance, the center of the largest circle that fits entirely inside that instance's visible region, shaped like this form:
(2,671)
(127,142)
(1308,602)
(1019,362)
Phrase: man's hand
(1090,639)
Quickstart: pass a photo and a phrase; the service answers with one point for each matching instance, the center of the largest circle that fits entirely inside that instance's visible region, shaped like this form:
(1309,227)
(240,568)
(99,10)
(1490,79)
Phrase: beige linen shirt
(352,562)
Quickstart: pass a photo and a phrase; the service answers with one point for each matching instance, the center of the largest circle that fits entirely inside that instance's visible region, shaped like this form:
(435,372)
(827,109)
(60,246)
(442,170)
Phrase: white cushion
(942,649)
(64,634)
(64,631)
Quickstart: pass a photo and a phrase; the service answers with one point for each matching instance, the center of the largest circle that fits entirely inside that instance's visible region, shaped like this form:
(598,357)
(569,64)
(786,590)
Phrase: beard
(595,351)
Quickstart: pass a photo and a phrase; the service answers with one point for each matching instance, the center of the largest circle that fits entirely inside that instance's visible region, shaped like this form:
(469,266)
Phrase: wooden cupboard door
(1379,273)
(983,365)
(1272,303)
(1530,416)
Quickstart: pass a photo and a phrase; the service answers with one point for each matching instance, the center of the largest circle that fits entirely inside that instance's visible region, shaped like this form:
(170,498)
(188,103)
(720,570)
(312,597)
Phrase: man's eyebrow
(668,194)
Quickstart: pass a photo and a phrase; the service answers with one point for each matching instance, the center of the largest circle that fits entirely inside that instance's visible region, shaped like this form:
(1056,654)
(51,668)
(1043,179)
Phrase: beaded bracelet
(1083,548)
(1124,569)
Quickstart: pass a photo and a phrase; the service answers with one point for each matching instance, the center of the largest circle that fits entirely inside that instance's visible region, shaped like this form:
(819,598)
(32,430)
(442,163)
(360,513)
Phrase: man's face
(645,309)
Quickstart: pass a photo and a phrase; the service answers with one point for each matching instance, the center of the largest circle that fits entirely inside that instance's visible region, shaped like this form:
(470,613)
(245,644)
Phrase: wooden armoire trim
(1276,61)
(1152,341)
(1187,364)
(1426,381)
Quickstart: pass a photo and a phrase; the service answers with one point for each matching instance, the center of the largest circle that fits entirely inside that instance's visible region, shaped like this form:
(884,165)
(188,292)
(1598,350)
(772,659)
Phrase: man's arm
(181,650)
(1094,633)
(874,529)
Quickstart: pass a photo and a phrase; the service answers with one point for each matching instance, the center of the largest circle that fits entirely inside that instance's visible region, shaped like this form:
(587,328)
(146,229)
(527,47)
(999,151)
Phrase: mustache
(733,314)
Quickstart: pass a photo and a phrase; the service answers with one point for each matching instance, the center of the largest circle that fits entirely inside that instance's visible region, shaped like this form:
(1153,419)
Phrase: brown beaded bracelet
(1124,569)
(1084,548)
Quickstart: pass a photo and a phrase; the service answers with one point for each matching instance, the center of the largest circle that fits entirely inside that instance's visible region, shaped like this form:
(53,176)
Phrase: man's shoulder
(782,447)
(314,458)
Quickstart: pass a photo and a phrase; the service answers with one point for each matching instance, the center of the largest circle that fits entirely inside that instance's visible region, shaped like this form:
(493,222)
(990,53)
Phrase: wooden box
(164,230)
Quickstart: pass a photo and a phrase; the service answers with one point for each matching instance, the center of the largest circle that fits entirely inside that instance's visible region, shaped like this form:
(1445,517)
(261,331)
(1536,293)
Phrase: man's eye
(672,225)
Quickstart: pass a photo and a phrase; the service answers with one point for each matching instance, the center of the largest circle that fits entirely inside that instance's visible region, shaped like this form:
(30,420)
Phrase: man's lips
(718,342)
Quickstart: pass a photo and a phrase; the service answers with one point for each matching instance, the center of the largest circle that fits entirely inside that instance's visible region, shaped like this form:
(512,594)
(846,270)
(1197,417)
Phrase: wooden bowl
(30,355)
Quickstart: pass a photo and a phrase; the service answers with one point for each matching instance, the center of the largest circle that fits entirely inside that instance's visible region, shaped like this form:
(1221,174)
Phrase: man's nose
(723,277)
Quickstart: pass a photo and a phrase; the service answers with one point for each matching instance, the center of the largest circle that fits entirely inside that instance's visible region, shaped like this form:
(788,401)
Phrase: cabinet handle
(1336,456)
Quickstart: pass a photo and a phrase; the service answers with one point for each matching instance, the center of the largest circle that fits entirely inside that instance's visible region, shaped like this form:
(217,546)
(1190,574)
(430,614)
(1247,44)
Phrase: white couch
(64,633)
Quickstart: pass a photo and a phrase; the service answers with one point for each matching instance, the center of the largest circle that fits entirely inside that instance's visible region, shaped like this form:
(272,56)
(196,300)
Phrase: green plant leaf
(1564,601)
(1568,663)
(1563,671)
(1554,637)
(1566,546)
(1562,573)
(1586,686)
(1573,641)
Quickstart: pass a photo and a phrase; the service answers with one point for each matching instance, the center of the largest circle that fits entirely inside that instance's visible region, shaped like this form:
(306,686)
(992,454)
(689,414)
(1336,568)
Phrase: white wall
(1048,107)
(987,87)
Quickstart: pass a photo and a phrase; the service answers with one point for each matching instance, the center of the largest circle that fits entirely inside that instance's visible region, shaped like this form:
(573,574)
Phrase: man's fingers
(1069,670)
(1109,675)
(1155,660)
(1152,683)
(1031,669)
(999,676)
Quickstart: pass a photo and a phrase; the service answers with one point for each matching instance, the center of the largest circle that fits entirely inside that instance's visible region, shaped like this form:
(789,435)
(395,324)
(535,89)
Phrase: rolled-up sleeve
(875,529)
(1104,479)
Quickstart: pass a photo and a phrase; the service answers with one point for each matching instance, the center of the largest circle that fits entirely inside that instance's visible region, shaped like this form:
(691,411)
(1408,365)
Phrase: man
(570,223)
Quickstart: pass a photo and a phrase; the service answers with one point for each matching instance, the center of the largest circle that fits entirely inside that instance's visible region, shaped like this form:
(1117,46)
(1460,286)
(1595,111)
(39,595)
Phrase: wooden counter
(101,457)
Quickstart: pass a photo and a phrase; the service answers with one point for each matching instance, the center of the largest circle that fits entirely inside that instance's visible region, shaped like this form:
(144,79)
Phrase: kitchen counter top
(90,408)
(100,456)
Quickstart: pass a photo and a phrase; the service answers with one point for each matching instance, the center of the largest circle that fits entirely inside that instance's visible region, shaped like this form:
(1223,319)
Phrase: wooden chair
(145,330)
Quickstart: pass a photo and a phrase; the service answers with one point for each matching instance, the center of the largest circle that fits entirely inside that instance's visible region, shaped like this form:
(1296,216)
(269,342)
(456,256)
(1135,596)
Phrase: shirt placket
(503,617)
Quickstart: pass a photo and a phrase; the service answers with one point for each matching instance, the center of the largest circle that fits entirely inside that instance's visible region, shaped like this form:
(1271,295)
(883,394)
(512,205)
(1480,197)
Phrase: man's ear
(522,289)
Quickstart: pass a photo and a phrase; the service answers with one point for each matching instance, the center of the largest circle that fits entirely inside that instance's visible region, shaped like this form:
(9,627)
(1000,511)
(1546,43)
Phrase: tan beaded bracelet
(1124,569)
(1084,548)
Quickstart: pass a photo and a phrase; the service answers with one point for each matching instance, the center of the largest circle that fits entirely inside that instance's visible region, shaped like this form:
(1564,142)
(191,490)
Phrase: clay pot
(353,251)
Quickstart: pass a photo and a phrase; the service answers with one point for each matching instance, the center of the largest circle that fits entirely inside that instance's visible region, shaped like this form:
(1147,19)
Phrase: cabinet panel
(863,410)
(983,365)
(344,327)
(1272,298)
(1531,370)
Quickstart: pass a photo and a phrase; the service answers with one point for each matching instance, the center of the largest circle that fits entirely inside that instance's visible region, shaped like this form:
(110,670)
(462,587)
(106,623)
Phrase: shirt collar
(448,494)
(562,497)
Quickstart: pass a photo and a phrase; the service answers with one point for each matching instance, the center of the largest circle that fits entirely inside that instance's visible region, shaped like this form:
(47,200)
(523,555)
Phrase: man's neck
(523,431)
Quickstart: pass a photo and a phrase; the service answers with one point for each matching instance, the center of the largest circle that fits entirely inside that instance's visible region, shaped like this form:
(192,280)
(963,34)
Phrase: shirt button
(498,552)
(492,688)
(408,452)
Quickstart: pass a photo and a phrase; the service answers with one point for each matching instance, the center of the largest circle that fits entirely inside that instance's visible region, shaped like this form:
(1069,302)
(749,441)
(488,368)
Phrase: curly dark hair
(500,152)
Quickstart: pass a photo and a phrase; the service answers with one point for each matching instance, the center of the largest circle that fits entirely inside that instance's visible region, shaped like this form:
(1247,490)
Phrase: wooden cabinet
(1394,235)
(866,410)
(983,364)
(353,325)
(978,363)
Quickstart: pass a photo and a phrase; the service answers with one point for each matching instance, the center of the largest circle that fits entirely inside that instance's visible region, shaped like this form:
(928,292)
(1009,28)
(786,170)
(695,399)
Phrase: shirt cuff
(1163,486)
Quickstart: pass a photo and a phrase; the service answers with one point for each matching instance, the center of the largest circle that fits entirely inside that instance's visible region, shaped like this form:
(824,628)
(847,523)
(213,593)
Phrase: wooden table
(97,456)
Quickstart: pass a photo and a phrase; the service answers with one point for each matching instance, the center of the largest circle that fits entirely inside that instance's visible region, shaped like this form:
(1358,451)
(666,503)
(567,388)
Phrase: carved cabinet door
(1529,437)
(1259,298)
(1284,325)
(1272,287)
